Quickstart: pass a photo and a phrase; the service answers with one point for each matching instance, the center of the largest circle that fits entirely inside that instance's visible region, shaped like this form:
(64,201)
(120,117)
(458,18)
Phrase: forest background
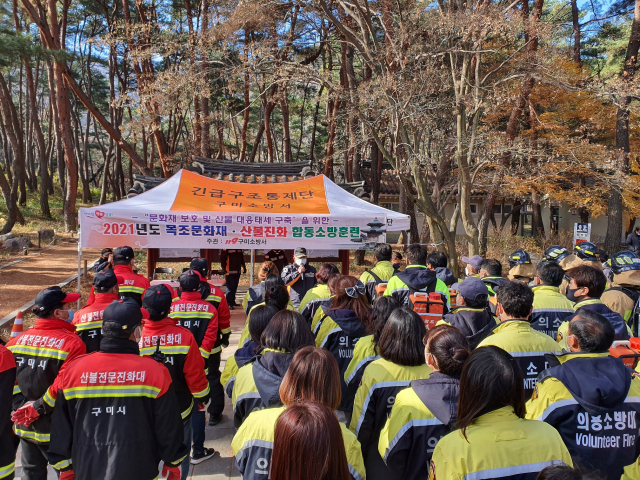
(484,98)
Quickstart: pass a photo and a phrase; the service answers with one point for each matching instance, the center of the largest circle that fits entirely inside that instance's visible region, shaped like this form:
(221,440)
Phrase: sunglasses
(358,288)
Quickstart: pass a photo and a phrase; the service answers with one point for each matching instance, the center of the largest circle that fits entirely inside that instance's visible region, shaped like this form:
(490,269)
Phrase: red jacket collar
(104,299)
(53,324)
(191,296)
(120,269)
(157,325)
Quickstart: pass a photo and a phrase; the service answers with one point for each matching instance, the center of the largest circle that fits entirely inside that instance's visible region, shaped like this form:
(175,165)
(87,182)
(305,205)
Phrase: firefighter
(8,440)
(493,440)
(592,399)
(471,316)
(550,307)
(40,354)
(623,295)
(278,257)
(428,409)
(585,289)
(416,277)
(117,414)
(381,271)
(216,298)
(201,319)
(402,361)
(520,266)
(232,261)
(181,357)
(515,335)
(491,275)
(320,295)
(312,377)
(88,320)
(133,285)
(299,277)
(105,260)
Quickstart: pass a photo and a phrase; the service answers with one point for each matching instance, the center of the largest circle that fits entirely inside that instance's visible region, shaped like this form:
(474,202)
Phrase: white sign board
(179,252)
(315,253)
(581,233)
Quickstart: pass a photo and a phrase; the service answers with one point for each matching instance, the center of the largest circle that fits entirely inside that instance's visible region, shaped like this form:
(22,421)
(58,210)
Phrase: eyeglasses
(358,288)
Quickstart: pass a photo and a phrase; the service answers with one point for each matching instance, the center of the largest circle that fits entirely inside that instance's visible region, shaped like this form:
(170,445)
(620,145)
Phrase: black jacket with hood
(423,414)
(416,278)
(339,332)
(597,413)
(474,323)
(268,370)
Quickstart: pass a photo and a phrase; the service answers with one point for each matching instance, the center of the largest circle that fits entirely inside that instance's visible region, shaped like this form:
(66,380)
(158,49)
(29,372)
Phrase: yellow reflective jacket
(252,446)
(632,472)
(384,270)
(381,382)
(398,289)
(413,429)
(498,445)
(550,308)
(593,401)
(318,296)
(526,345)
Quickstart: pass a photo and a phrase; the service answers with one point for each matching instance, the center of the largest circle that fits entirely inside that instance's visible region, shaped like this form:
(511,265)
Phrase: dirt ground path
(21,282)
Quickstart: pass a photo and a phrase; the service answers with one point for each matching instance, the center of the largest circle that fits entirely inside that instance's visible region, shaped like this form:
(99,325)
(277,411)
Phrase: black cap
(189,281)
(123,254)
(123,314)
(106,251)
(105,280)
(53,296)
(472,288)
(300,252)
(200,265)
(157,300)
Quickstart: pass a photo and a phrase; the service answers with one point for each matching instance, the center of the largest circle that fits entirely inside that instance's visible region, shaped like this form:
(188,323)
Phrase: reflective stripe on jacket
(381,382)
(8,441)
(88,320)
(550,309)
(318,296)
(398,289)
(132,285)
(526,345)
(498,445)
(252,446)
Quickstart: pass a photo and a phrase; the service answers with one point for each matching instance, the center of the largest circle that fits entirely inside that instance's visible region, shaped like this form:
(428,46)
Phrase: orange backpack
(381,285)
(429,306)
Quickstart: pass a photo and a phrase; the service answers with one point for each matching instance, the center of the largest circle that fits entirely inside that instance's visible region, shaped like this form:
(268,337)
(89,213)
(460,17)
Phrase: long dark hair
(260,317)
(449,347)
(342,301)
(276,297)
(491,379)
(401,338)
(287,331)
(308,445)
(382,309)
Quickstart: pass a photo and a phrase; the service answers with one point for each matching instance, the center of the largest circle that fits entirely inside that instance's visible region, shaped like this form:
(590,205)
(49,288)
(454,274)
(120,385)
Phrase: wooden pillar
(208,254)
(344,258)
(152,258)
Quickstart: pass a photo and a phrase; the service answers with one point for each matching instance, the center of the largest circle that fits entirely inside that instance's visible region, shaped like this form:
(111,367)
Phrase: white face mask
(301,261)
(466,271)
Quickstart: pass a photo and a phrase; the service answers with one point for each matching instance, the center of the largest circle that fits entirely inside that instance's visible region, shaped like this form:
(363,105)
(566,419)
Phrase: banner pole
(253,258)
(79,266)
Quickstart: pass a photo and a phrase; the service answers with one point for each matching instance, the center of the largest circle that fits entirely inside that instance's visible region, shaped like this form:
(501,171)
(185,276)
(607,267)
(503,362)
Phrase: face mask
(137,333)
(70,315)
(301,261)
(466,271)
(571,294)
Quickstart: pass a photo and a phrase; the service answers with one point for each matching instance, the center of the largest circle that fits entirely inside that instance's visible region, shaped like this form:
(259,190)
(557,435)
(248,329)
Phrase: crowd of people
(406,372)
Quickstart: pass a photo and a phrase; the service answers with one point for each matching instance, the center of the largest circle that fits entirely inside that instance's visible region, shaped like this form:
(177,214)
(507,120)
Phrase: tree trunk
(614,214)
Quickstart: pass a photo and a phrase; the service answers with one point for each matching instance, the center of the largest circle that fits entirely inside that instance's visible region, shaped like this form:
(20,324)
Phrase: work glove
(67,475)
(25,415)
(172,473)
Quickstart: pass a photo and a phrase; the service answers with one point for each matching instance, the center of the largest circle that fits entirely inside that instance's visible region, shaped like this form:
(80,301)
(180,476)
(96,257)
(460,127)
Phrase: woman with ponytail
(428,409)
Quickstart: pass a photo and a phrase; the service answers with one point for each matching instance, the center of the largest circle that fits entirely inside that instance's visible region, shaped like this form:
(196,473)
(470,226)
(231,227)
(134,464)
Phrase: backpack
(428,305)
(381,285)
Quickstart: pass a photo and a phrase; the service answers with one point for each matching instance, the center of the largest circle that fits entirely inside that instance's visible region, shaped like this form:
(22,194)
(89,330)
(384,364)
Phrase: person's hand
(172,473)
(300,269)
(202,407)
(67,475)
(25,415)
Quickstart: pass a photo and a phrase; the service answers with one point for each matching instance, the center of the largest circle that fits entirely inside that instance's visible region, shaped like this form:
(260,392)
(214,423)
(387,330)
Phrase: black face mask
(571,294)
